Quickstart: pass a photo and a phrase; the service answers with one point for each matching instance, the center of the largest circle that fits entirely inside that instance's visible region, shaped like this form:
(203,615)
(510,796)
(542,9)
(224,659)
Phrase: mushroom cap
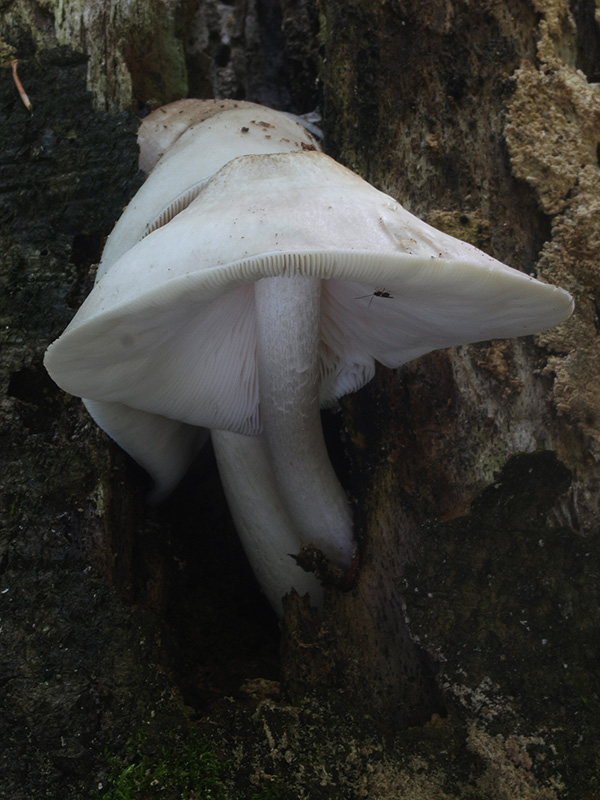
(170,328)
(162,127)
(185,143)
(182,144)
(164,447)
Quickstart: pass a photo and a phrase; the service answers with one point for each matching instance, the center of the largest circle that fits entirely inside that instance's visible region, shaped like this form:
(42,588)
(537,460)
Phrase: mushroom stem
(288,334)
(263,525)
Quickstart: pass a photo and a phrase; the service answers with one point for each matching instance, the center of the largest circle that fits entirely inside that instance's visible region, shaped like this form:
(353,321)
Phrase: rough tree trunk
(463,663)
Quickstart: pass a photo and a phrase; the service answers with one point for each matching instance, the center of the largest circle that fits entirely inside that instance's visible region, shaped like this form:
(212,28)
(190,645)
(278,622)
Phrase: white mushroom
(272,294)
(196,138)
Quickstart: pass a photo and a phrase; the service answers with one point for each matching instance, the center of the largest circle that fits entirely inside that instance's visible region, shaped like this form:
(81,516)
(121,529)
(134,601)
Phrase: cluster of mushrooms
(251,282)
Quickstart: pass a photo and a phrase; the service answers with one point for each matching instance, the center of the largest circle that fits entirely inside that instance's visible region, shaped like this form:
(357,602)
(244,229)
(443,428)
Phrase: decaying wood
(462,661)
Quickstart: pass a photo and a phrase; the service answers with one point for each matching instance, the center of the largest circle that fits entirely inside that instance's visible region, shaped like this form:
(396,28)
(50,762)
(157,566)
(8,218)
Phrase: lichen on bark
(133,49)
(552,136)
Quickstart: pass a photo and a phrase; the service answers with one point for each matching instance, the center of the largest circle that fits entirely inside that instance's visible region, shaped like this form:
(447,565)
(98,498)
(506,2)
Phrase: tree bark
(462,662)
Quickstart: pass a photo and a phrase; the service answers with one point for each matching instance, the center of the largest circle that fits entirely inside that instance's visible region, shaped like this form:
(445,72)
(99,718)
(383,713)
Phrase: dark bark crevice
(588,38)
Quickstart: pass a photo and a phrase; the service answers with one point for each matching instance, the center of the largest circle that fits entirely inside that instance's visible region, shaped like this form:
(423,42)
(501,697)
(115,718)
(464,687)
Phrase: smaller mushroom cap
(161,128)
(170,328)
(198,137)
(163,446)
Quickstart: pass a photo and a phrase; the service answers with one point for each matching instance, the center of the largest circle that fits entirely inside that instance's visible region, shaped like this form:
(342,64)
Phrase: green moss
(183,767)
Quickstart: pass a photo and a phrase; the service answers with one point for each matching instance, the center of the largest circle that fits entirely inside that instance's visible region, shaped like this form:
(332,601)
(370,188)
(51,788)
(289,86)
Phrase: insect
(377,293)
